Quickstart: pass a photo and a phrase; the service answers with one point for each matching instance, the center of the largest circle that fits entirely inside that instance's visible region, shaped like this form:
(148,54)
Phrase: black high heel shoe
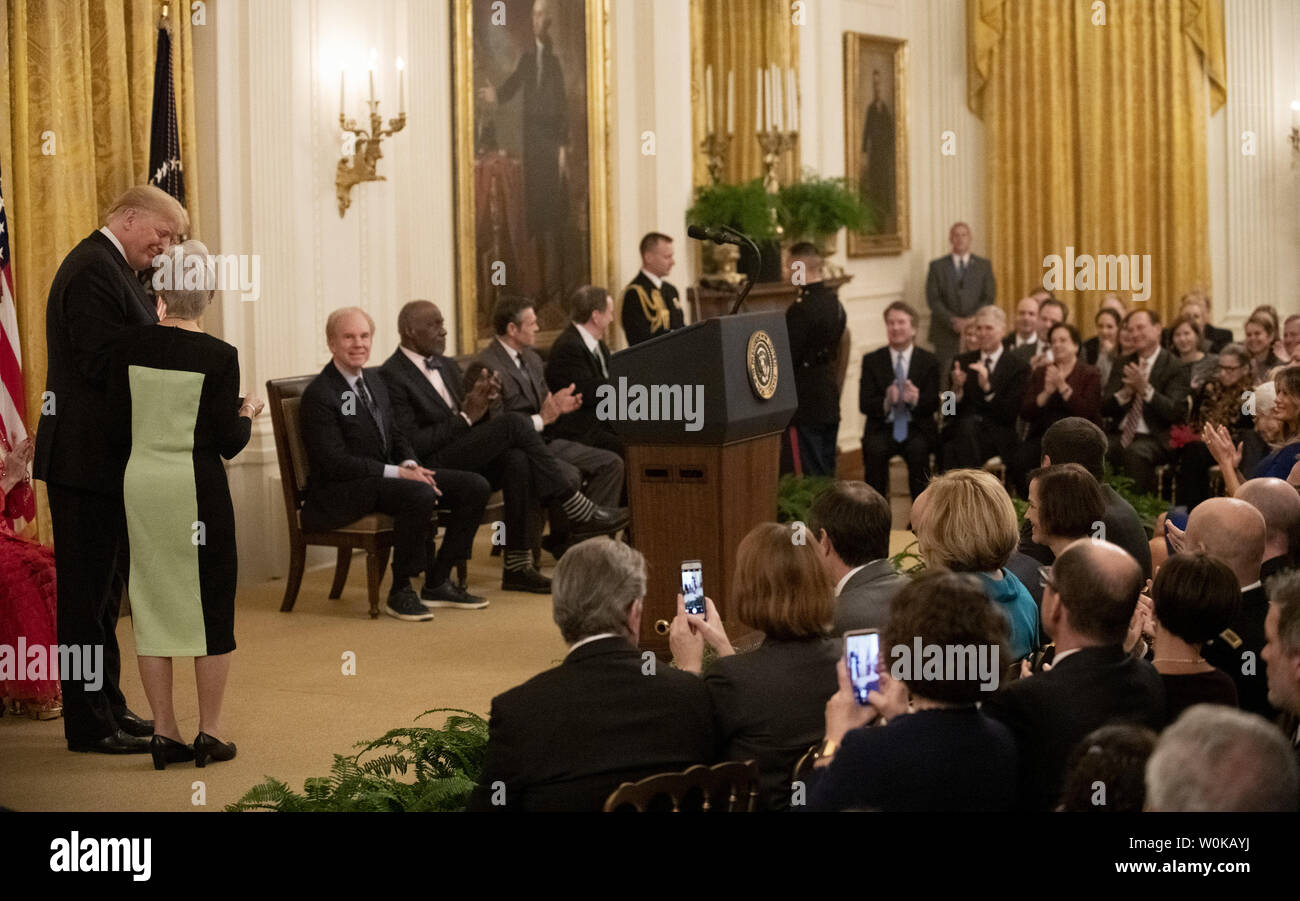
(167,750)
(208,748)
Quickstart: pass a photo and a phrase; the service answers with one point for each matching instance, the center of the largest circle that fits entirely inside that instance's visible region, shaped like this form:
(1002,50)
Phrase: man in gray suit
(523,390)
(850,523)
(957,285)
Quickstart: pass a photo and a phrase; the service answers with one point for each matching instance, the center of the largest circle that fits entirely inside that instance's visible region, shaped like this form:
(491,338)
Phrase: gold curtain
(740,36)
(1095,136)
(78,81)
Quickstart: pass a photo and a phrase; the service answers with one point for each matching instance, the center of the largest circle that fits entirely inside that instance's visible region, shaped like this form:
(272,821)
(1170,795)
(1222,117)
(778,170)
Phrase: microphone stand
(749,281)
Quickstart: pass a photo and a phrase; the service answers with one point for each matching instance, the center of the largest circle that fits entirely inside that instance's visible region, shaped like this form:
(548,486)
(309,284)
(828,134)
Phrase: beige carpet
(288,706)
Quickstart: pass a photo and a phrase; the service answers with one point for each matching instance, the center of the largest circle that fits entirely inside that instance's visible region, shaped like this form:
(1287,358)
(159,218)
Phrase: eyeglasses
(1045,577)
(1230,368)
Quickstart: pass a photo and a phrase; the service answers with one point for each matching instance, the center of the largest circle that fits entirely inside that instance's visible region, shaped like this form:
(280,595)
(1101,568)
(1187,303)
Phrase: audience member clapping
(1105,773)
(1195,598)
(1282,652)
(938,750)
(1219,402)
(768,702)
(965,522)
(1219,760)
(1088,604)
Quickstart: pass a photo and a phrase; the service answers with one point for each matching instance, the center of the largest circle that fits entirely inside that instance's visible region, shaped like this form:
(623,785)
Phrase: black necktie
(373,409)
(600,362)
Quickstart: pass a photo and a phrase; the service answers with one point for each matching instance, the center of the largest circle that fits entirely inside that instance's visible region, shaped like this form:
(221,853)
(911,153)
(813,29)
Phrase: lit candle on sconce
(374,61)
(791,100)
(758,100)
(1295,113)
(731,101)
(708,99)
(401,86)
(777,99)
(343,106)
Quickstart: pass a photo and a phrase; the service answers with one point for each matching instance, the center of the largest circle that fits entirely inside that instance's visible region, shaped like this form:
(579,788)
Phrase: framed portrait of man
(875,139)
(531,171)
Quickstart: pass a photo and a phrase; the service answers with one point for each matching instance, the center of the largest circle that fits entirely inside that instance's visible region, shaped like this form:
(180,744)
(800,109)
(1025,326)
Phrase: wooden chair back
(730,787)
(284,396)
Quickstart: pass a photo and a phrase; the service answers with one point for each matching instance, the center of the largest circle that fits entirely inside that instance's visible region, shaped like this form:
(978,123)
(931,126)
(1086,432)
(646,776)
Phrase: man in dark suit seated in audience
(565,739)
(850,522)
(1282,652)
(1146,394)
(989,384)
(1051,313)
(449,427)
(1235,532)
(580,357)
(899,394)
(1090,594)
(1026,331)
(1076,440)
(361,463)
(523,390)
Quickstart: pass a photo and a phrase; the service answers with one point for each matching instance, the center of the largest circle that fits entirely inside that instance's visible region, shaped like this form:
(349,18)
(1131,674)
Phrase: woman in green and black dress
(175,400)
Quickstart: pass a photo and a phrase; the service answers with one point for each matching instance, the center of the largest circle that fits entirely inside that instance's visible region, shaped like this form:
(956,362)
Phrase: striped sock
(578,507)
(518,560)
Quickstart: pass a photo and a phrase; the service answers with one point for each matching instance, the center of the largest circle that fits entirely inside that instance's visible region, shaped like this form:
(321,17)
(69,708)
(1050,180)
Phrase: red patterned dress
(27,604)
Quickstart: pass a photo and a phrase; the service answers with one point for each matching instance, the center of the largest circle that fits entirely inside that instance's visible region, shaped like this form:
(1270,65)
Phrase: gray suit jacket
(865,599)
(947,298)
(522,390)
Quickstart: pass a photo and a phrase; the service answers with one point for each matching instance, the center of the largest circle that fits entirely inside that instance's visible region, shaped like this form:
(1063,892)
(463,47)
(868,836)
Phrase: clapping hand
(1219,441)
(560,402)
(1294,476)
(1139,622)
(911,393)
(891,395)
(15,466)
(982,373)
(1135,379)
(485,390)
(1052,380)
(958,377)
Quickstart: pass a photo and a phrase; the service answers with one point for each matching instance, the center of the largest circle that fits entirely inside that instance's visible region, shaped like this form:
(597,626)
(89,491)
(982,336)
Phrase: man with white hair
(1218,760)
(96,295)
(565,739)
(989,384)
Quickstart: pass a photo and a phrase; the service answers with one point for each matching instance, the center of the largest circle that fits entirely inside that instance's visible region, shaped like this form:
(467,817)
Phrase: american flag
(22,503)
(165,170)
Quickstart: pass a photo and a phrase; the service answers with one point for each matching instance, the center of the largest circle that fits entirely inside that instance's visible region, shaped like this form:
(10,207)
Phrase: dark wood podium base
(697,503)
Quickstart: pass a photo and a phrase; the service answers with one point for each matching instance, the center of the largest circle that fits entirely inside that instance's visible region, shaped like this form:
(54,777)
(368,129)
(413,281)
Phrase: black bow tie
(433,362)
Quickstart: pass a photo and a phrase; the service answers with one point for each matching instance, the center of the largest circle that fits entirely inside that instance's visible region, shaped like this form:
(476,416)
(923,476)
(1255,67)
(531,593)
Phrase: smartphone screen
(693,587)
(862,656)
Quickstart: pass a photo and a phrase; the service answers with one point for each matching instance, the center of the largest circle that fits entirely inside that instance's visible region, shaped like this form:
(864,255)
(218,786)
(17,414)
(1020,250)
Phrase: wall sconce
(366,151)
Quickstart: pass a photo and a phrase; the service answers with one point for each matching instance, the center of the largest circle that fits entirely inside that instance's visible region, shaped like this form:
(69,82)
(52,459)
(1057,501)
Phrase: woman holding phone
(768,703)
(921,743)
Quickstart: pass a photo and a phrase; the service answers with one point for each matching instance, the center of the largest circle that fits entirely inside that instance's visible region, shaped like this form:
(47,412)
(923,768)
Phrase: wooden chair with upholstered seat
(730,787)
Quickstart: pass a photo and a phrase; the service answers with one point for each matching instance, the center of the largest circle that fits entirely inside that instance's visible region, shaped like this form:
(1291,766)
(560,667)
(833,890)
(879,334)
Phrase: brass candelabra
(366,154)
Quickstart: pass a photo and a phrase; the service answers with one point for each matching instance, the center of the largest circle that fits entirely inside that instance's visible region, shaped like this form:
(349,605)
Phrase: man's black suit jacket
(1051,712)
(1123,528)
(565,739)
(636,327)
(570,363)
(419,411)
(345,448)
(1006,388)
(522,390)
(95,297)
(1168,406)
(1228,650)
(878,375)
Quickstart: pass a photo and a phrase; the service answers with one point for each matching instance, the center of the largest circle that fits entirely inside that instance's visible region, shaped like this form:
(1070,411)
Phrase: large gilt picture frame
(875,139)
(531,86)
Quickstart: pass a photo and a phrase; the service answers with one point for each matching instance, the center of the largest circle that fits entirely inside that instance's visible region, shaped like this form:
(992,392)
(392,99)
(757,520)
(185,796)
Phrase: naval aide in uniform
(651,306)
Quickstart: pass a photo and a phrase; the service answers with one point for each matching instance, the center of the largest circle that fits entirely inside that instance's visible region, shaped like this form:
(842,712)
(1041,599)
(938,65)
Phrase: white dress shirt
(435,378)
(1147,364)
(390,470)
(517,361)
(589,639)
(654,279)
(108,232)
(839,586)
(960,260)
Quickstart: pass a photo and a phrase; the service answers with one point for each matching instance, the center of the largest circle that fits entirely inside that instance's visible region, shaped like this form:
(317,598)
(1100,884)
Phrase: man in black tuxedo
(565,739)
(989,384)
(523,390)
(1235,532)
(956,286)
(815,324)
(361,463)
(449,427)
(96,296)
(899,394)
(651,306)
(544,141)
(1146,394)
(580,357)
(1089,597)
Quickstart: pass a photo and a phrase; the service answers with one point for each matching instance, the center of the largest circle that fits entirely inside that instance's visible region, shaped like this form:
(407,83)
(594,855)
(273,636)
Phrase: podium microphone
(726,235)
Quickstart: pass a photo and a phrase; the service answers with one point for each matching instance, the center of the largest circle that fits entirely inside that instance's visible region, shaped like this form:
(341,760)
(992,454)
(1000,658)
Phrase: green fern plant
(412,768)
(747,208)
(815,208)
(795,496)
(908,561)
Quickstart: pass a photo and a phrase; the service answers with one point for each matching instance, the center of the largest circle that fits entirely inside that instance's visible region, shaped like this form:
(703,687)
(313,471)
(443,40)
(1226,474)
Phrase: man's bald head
(1279,503)
(1233,531)
(1098,583)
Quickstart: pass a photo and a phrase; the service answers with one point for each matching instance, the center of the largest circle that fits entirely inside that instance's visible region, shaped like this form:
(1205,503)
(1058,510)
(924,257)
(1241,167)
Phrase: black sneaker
(602,521)
(451,595)
(403,604)
(526,579)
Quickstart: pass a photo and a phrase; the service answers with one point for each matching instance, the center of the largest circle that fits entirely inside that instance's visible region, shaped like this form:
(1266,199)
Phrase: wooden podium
(695,494)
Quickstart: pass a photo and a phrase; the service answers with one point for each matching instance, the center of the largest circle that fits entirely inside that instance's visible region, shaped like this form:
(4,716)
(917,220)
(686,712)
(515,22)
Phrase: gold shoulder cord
(653,308)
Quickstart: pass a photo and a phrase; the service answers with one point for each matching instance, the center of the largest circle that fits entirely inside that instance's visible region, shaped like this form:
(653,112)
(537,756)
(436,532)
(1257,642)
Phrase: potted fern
(748,209)
(816,208)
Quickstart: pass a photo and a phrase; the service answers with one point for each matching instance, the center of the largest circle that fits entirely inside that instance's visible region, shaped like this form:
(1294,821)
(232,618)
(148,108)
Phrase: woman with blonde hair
(965,522)
(769,704)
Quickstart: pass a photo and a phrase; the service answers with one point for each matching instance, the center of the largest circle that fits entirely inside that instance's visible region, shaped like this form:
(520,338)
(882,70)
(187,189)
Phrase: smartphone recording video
(862,657)
(693,587)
